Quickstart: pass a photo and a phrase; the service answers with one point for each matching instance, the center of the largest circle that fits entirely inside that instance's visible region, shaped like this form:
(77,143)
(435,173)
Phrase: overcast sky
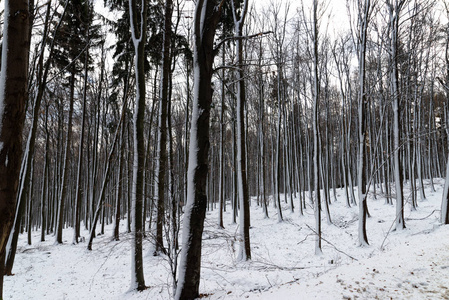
(335,9)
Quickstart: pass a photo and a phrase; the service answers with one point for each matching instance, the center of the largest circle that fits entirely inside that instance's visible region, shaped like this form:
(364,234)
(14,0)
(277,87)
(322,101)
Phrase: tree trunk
(161,163)
(45,194)
(363,14)
(27,162)
(66,160)
(78,187)
(207,14)
(119,187)
(13,96)
(245,249)
(138,31)
(395,10)
(316,148)
(221,197)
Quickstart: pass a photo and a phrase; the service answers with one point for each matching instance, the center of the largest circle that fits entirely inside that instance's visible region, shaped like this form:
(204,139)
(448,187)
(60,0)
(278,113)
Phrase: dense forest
(151,113)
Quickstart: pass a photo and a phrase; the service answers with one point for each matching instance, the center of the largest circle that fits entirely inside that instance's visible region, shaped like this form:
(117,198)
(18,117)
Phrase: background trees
(286,117)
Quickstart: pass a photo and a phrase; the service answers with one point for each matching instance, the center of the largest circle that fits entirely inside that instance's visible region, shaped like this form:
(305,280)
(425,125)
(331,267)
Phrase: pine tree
(70,55)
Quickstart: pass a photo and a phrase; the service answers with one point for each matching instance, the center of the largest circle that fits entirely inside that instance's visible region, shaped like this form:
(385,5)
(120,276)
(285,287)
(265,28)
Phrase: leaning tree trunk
(102,196)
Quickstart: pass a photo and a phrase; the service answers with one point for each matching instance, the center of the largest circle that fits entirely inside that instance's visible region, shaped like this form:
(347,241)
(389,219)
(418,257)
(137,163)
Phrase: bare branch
(233,38)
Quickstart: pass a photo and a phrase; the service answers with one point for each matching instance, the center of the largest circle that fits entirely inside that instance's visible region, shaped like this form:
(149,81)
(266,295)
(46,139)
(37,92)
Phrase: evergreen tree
(71,49)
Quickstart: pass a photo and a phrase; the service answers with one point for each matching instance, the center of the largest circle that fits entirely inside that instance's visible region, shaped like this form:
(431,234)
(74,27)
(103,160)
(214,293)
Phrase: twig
(413,219)
(106,259)
(274,266)
(303,240)
(233,38)
(266,276)
(338,250)
(392,223)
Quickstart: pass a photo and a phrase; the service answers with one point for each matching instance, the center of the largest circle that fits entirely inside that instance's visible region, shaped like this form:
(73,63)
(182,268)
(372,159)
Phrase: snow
(414,262)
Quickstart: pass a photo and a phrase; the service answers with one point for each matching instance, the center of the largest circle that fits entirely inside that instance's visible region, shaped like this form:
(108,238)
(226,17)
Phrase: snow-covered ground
(413,264)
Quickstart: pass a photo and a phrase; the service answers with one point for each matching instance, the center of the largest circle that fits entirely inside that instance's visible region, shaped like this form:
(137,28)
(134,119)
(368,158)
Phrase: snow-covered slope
(414,263)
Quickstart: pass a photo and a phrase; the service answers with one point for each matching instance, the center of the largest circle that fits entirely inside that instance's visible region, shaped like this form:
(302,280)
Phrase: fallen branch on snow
(338,250)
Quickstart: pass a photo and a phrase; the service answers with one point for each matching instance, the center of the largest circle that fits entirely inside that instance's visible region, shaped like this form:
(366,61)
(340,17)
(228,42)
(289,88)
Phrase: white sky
(336,8)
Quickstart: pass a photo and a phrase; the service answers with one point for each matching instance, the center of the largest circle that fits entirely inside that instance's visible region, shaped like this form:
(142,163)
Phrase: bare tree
(395,7)
(239,20)
(161,159)
(364,10)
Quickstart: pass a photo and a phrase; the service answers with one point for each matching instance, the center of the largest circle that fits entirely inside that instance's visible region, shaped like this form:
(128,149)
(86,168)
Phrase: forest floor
(409,264)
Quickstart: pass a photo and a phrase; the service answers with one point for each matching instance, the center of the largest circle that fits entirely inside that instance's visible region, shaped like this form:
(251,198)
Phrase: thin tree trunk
(245,249)
(30,203)
(27,161)
(394,24)
(45,194)
(66,160)
(316,149)
(119,187)
(221,198)
(161,162)
(78,187)
(363,13)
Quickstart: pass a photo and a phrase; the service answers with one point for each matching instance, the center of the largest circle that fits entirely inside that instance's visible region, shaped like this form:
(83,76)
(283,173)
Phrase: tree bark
(161,164)
(207,14)
(79,189)
(395,9)
(363,15)
(13,96)
(138,31)
(316,137)
(65,168)
(245,249)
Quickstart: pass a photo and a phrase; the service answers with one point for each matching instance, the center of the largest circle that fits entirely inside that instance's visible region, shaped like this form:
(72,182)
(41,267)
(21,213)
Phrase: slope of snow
(414,263)
(418,269)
